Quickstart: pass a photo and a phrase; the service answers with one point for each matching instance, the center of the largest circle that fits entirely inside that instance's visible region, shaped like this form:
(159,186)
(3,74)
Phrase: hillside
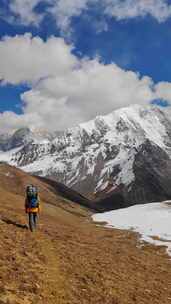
(127,150)
(70,259)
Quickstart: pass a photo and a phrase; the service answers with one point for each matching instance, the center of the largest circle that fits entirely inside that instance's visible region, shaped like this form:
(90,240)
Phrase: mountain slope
(53,192)
(102,155)
(70,260)
(50,192)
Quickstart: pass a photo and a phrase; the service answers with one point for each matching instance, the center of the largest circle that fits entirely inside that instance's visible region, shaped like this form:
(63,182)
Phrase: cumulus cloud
(65,90)
(28,59)
(10,121)
(63,11)
(90,90)
(163,90)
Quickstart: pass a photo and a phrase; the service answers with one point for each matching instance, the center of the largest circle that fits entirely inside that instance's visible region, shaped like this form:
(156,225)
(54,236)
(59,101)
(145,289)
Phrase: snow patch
(151,221)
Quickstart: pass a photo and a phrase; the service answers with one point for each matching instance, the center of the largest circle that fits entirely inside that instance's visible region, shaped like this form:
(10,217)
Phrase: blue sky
(133,40)
(141,45)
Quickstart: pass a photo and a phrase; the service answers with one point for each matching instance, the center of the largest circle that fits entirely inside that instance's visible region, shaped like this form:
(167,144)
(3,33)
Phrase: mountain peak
(95,154)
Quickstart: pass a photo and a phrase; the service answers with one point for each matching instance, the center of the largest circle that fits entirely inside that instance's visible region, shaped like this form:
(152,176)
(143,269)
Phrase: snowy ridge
(90,155)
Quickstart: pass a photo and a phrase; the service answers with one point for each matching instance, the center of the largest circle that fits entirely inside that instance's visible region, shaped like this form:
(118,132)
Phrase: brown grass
(70,260)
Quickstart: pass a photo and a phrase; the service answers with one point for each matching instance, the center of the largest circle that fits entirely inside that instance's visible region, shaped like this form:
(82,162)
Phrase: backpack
(32,196)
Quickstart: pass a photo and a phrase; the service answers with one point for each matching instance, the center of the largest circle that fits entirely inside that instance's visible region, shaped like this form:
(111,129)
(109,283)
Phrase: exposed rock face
(152,169)
(128,151)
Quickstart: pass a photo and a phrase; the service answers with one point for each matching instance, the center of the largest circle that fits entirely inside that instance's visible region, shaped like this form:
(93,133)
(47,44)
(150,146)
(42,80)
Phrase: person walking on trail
(32,206)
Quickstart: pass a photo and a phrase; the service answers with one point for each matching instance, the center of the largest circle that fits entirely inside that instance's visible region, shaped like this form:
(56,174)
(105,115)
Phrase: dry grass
(71,261)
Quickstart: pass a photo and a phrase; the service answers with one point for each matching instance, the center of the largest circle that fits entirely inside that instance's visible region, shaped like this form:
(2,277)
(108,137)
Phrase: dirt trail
(29,266)
(70,260)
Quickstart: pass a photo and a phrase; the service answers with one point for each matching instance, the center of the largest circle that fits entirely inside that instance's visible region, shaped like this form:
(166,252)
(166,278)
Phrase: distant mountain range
(127,152)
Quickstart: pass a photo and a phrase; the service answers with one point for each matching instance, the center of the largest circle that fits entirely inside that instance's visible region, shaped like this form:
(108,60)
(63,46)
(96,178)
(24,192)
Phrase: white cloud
(64,89)
(28,59)
(10,121)
(91,90)
(163,90)
(24,11)
(64,10)
(159,9)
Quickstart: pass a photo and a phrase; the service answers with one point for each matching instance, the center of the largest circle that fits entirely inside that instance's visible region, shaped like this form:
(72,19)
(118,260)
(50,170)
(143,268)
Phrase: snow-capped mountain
(128,150)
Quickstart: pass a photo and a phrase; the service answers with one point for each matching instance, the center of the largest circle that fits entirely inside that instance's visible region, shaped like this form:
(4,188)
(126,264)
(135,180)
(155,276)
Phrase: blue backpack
(32,196)
(33,203)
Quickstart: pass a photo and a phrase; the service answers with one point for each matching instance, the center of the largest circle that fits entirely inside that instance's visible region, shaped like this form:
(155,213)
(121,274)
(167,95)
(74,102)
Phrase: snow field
(151,221)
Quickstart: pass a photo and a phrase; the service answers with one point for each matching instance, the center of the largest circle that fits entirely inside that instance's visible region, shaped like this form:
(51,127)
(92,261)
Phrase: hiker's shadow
(11,222)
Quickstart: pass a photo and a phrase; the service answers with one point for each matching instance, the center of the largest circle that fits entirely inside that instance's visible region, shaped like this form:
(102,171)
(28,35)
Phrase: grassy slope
(69,259)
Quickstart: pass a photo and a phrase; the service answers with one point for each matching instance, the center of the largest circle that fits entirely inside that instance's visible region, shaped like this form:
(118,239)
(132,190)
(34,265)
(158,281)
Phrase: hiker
(32,205)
